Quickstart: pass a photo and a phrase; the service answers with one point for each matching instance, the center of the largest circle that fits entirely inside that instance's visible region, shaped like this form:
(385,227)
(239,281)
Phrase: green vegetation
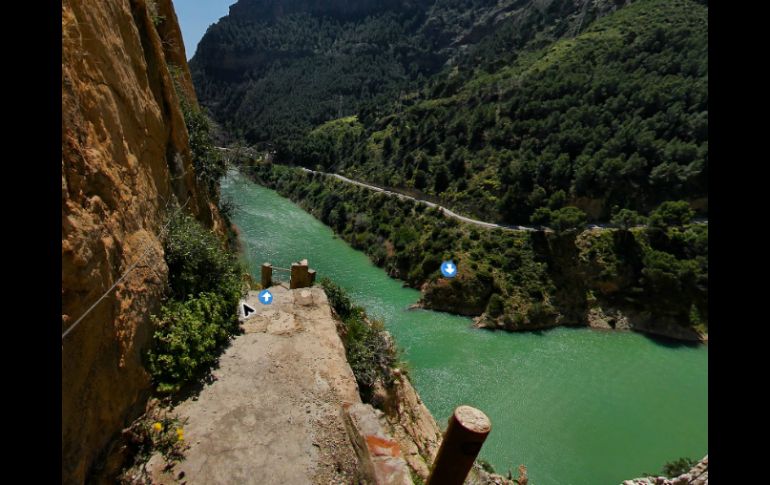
(617,116)
(152,7)
(678,467)
(209,165)
(518,280)
(200,316)
(157,431)
(370,352)
(673,469)
(626,219)
(485,465)
(561,220)
(272,77)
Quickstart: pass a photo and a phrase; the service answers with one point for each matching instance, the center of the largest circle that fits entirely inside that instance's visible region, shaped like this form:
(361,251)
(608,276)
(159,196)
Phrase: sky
(195,16)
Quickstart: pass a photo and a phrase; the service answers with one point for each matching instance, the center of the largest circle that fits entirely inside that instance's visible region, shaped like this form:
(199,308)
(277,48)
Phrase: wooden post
(267,275)
(299,275)
(467,430)
(311,273)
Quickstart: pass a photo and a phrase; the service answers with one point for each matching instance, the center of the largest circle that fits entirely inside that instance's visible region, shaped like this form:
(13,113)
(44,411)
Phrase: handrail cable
(122,277)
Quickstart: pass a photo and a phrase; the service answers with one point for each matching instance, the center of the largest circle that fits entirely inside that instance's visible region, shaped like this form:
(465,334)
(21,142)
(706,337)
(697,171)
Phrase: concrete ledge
(378,453)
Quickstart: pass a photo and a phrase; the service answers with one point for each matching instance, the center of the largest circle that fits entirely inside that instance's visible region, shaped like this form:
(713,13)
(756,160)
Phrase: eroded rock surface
(125,162)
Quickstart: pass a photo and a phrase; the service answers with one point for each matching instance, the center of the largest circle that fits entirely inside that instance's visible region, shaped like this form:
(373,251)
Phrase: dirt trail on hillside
(272,416)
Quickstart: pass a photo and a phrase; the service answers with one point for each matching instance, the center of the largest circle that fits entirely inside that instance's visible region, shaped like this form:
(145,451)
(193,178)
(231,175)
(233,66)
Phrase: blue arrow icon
(265,297)
(448,269)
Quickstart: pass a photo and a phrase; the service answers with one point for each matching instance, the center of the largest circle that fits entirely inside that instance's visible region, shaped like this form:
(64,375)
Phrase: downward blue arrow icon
(448,269)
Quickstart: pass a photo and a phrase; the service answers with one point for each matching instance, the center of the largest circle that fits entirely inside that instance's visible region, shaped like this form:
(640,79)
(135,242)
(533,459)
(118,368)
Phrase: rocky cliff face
(125,163)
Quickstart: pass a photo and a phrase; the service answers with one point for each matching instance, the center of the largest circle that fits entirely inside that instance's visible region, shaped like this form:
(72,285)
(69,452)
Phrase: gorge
(575,405)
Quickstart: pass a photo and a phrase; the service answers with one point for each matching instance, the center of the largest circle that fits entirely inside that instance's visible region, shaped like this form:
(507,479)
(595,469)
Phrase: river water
(576,406)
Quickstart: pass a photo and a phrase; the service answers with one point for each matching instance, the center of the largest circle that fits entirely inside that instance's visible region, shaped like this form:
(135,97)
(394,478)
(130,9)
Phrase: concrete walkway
(273,416)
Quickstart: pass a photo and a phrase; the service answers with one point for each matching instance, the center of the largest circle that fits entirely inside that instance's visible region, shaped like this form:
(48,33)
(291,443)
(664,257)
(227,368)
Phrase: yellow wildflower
(180,434)
(157,427)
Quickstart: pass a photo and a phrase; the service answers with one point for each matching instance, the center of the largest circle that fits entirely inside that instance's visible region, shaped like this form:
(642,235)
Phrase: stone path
(273,416)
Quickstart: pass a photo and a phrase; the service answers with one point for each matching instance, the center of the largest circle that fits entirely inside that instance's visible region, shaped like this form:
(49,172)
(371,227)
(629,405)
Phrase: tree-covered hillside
(271,71)
(616,117)
(652,278)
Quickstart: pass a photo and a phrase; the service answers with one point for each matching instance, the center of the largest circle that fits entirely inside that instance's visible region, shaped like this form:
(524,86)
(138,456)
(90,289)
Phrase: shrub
(485,465)
(159,431)
(206,284)
(370,352)
(187,338)
(626,218)
(495,306)
(209,165)
(671,213)
(567,218)
(152,7)
(198,263)
(673,469)
(338,298)
(678,467)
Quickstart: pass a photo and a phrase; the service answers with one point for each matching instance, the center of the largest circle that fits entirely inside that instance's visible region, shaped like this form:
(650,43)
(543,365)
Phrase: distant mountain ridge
(270,71)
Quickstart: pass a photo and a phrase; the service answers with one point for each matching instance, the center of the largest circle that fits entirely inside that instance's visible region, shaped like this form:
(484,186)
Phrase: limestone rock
(125,155)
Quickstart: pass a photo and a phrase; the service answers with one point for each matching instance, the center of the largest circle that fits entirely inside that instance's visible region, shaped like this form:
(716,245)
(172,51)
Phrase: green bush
(626,218)
(187,338)
(194,324)
(671,213)
(495,306)
(673,469)
(197,262)
(369,351)
(678,467)
(567,218)
(485,465)
(209,165)
(338,298)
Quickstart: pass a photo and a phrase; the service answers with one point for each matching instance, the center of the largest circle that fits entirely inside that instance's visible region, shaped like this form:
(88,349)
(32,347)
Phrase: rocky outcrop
(466,294)
(379,455)
(411,424)
(415,430)
(125,162)
(600,283)
(698,475)
(609,318)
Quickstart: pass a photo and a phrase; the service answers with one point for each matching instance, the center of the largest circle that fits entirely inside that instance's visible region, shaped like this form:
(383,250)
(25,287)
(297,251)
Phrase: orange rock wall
(125,159)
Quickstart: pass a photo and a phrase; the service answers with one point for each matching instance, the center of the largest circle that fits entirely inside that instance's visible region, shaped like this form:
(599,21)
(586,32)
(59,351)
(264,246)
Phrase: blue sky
(195,16)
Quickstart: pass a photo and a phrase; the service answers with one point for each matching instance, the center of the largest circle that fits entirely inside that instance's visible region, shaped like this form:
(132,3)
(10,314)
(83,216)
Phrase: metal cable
(122,277)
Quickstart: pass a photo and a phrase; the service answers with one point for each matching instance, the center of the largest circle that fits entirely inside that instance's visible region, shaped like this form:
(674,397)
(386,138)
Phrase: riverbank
(640,279)
(559,401)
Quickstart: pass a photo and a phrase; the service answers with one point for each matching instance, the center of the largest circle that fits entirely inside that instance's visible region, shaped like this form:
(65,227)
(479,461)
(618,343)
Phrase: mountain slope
(617,116)
(270,71)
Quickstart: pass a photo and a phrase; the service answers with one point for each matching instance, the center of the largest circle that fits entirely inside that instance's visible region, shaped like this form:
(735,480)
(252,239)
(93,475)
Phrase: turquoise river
(576,406)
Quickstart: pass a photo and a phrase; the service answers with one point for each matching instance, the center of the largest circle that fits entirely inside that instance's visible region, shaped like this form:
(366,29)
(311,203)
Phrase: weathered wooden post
(267,275)
(299,275)
(468,429)
(311,273)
